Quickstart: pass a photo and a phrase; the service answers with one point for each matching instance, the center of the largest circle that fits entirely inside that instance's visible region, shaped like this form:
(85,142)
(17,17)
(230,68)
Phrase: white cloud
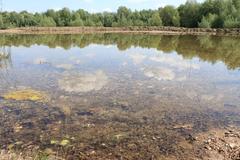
(137,1)
(161,5)
(107,10)
(57,9)
(88,1)
(156,2)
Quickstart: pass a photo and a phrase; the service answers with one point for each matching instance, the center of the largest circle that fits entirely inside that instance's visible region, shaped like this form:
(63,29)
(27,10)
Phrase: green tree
(218,22)
(51,13)
(64,17)
(136,19)
(170,16)
(189,14)
(89,22)
(45,21)
(1,21)
(108,19)
(155,20)
(212,7)
(123,17)
(27,19)
(97,19)
(204,23)
(138,22)
(83,14)
(210,13)
(145,15)
(236,3)
(231,22)
(14,18)
(208,21)
(76,21)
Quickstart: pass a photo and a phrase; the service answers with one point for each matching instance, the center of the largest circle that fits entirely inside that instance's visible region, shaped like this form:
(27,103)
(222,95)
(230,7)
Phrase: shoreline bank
(143,30)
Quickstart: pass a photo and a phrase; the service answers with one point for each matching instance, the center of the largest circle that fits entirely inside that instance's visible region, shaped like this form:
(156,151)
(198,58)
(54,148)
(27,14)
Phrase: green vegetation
(209,14)
(170,16)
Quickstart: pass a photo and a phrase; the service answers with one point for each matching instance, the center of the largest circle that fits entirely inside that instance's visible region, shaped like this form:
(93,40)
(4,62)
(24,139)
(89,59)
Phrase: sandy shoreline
(142,30)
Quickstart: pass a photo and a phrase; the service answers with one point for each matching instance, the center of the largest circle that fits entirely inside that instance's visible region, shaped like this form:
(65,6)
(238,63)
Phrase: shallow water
(117,95)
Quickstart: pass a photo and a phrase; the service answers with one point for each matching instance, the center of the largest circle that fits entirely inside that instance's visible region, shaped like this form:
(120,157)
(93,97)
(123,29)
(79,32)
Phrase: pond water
(116,96)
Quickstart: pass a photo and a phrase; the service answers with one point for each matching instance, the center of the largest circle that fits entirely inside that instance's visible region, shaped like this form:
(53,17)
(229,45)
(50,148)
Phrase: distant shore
(144,30)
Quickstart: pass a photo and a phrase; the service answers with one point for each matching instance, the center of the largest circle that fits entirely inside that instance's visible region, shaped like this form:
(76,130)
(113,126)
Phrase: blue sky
(89,5)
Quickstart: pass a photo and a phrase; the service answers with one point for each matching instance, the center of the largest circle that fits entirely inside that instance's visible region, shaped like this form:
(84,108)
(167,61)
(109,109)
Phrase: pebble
(232,145)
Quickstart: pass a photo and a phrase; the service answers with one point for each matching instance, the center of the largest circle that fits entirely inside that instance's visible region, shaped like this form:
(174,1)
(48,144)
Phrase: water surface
(117,95)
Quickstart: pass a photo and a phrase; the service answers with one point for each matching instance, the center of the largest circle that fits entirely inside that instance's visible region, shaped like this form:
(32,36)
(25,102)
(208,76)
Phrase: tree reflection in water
(5,63)
(207,48)
(5,57)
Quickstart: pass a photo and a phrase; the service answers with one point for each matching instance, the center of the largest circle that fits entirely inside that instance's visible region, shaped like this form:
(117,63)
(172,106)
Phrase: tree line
(209,14)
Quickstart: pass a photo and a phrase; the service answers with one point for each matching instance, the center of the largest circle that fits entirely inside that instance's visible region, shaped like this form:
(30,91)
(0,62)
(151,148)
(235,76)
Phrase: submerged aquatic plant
(64,142)
(27,94)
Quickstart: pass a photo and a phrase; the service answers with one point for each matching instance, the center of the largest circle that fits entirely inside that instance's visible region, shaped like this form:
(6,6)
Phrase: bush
(218,22)
(77,22)
(46,22)
(155,20)
(231,23)
(204,23)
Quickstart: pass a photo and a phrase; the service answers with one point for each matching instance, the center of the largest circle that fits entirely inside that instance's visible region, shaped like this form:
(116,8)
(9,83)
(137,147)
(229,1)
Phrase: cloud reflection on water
(166,67)
(159,73)
(173,61)
(83,82)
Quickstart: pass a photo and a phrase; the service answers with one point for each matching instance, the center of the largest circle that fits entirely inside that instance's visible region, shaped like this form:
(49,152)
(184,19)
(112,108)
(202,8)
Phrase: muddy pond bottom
(119,96)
